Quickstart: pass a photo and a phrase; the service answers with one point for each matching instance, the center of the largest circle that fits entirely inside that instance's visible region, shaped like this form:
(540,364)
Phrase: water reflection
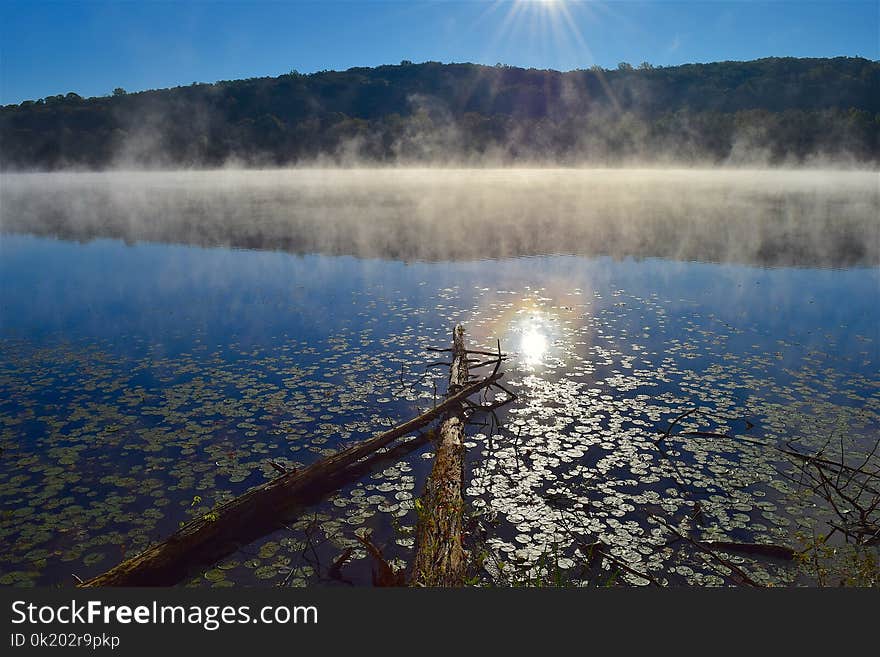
(532,345)
(195,367)
(802,218)
(137,378)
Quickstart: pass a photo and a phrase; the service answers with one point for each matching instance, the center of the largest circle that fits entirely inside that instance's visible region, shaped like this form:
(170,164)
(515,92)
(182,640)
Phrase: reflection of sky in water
(604,353)
(104,289)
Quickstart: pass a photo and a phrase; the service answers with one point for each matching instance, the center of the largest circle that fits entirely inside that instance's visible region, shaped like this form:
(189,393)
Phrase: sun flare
(551,27)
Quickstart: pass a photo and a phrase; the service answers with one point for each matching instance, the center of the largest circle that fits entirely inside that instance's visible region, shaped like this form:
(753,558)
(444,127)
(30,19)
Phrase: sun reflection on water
(533,346)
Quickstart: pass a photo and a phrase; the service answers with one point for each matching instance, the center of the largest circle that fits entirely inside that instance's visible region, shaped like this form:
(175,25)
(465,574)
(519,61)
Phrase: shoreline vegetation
(767,112)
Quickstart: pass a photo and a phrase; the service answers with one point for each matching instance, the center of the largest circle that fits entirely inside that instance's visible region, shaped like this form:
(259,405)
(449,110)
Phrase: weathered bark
(245,518)
(439,557)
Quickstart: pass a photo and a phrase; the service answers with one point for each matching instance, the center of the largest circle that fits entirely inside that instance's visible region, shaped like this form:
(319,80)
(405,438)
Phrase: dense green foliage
(778,110)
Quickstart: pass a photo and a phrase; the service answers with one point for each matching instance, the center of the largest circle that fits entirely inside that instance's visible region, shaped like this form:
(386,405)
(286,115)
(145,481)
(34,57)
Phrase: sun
(556,25)
(550,31)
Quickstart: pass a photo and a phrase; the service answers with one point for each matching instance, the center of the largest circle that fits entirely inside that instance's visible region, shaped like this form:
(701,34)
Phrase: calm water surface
(164,336)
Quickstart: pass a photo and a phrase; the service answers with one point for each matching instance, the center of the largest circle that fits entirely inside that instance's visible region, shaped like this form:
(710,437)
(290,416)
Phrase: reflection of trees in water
(769,218)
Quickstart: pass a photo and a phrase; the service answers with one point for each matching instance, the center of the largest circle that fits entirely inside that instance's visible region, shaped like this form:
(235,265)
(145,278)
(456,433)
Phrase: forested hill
(773,111)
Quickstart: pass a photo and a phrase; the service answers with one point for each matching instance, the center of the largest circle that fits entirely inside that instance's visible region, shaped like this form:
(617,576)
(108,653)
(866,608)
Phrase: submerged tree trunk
(439,554)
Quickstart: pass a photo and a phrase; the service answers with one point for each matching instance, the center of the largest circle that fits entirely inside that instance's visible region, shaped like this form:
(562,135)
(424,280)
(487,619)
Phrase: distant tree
(405,62)
(119,91)
(624,66)
(646,66)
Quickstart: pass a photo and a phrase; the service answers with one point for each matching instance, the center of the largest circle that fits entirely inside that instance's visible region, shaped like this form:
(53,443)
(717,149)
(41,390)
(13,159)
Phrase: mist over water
(164,335)
(765,217)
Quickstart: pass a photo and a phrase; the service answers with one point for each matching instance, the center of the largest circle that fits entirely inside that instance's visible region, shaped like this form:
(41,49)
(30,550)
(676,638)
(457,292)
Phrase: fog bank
(764,217)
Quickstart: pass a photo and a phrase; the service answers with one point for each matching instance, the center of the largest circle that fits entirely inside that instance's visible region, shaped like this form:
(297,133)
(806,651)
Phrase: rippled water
(164,336)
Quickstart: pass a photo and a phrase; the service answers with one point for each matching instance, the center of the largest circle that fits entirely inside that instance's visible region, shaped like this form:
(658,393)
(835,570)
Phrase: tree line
(773,111)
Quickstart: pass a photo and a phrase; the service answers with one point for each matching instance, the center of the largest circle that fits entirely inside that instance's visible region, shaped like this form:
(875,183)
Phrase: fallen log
(203,540)
(758,549)
(439,559)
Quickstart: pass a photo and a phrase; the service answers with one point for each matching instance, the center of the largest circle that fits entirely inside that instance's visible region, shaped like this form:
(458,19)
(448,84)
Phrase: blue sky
(92,47)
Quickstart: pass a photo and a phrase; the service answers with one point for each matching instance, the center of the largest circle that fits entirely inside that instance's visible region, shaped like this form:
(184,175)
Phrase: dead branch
(758,549)
(383,573)
(739,572)
(205,539)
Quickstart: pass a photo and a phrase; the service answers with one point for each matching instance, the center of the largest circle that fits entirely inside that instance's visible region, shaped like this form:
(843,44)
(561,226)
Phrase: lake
(165,335)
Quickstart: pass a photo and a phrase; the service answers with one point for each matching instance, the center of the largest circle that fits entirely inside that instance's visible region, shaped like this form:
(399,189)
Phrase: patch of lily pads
(106,451)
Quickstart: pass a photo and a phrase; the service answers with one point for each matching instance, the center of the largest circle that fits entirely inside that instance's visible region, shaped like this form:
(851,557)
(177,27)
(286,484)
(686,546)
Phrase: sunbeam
(553,28)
